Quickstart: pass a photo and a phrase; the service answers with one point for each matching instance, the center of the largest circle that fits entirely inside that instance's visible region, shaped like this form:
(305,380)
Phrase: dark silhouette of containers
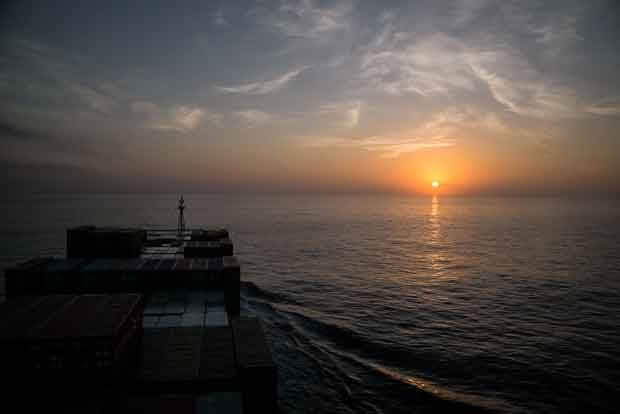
(192,360)
(131,275)
(69,337)
(181,360)
(110,242)
(208,248)
(44,275)
(215,357)
(213,402)
(91,241)
(26,278)
(257,372)
(209,235)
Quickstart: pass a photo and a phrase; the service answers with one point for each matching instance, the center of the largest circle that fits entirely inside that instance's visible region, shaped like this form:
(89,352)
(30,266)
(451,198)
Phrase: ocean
(391,304)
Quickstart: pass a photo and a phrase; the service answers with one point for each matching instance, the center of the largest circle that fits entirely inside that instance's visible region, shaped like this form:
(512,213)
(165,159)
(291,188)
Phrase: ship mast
(181,225)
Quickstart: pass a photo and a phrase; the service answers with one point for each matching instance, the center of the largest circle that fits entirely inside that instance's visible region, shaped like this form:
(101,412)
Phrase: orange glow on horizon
(454,170)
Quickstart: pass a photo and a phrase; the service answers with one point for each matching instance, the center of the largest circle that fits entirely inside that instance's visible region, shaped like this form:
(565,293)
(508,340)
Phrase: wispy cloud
(219,19)
(353,116)
(464,11)
(304,18)
(401,63)
(438,64)
(262,87)
(607,107)
(441,130)
(346,113)
(252,118)
(178,118)
(514,83)
(186,117)
(557,35)
(436,132)
(44,73)
(96,100)
(387,146)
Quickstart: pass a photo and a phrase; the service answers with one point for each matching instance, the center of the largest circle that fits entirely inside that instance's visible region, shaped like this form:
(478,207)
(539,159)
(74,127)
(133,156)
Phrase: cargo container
(257,371)
(70,337)
(91,242)
(208,403)
(124,275)
(207,249)
(209,235)
(26,278)
(130,330)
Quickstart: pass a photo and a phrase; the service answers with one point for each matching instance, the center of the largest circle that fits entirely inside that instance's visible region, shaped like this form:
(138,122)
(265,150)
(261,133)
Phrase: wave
(251,289)
(362,372)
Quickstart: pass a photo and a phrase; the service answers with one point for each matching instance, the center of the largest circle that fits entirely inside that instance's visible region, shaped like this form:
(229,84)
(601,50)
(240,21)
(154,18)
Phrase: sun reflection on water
(434,224)
(435,256)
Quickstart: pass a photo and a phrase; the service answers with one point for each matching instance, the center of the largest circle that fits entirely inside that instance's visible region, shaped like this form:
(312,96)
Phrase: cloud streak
(251,118)
(96,100)
(304,18)
(262,87)
(400,63)
(387,146)
(515,84)
(179,118)
(441,130)
(439,64)
(347,114)
(607,107)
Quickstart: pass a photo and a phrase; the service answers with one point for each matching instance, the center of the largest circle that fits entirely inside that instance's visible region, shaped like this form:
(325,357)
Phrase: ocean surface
(379,304)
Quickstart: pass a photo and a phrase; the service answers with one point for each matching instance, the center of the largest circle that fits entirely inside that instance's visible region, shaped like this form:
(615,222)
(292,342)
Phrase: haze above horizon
(481,97)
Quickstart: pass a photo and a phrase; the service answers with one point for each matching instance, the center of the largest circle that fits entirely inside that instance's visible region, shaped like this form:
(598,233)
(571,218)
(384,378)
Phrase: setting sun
(435,184)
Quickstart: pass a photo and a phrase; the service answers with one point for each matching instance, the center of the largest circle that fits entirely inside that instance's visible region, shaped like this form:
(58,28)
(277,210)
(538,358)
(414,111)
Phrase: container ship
(134,320)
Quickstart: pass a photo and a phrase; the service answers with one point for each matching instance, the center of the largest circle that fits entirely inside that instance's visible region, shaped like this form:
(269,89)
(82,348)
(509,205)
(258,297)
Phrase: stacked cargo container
(160,315)
(91,241)
(70,336)
(104,275)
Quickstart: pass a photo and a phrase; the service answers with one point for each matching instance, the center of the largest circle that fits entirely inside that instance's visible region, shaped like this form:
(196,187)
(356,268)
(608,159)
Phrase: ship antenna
(181,225)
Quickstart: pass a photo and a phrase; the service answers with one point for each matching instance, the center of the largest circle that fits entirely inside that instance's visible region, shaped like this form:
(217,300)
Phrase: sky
(486,97)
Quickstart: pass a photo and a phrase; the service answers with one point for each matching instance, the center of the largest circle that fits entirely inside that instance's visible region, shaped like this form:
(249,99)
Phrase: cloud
(219,19)
(263,87)
(440,130)
(434,133)
(10,131)
(253,117)
(557,35)
(304,18)
(607,107)
(347,113)
(387,146)
(464,11)
(45,74)
(141,107)
(94,99)
(438,64)
(188,118)
(514,83)
(509,61)
(400,63)
(353,116)
(214,118)
(178,118)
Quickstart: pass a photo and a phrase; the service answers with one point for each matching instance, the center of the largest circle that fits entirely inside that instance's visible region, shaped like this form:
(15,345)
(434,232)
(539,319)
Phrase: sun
(435,184)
